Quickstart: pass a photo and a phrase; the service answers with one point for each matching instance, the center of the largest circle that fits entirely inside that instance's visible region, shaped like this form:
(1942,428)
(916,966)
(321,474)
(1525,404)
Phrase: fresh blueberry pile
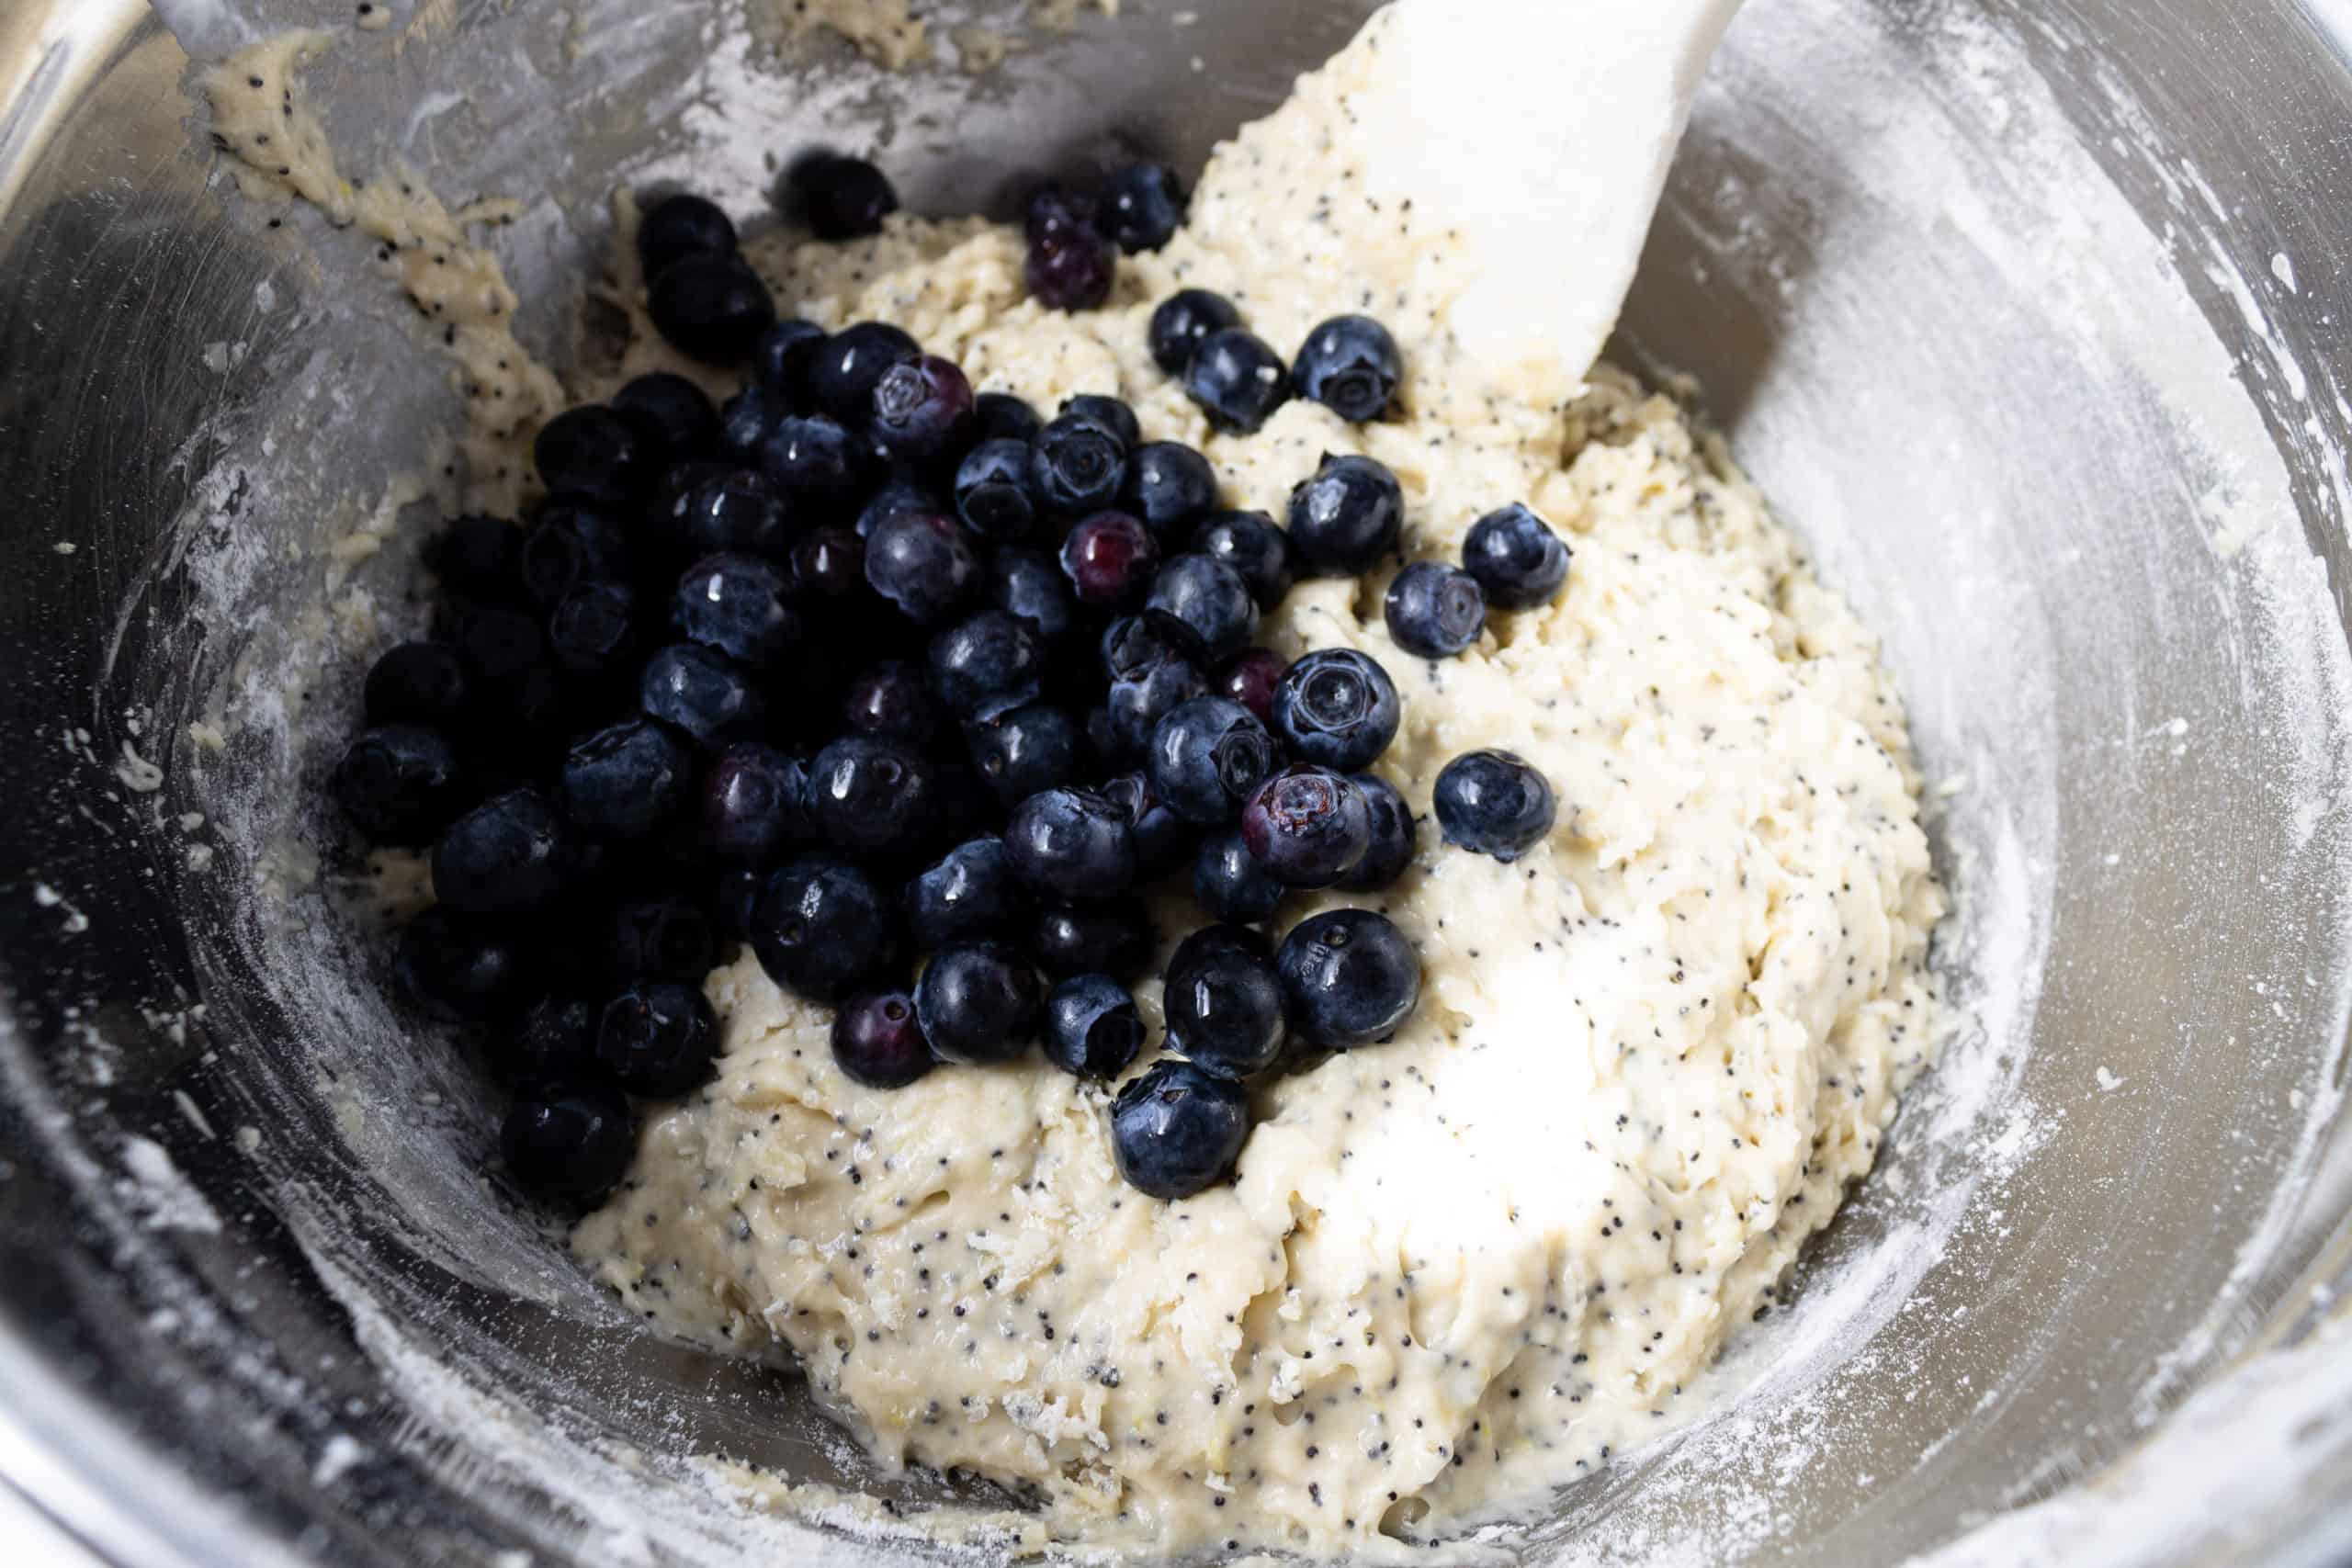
(916,692)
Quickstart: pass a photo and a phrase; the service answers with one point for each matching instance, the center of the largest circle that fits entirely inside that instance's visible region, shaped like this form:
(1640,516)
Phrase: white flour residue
(155,1186)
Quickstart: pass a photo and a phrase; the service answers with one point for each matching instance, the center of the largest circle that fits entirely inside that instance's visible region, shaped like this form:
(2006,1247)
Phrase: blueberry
(658,1039)
(1002,416)
(673,416)
(1076,465)
(1307,825)
(474,558)
(626,780)
(830,564)
(461,970)
(594,451)
(755,804)
(992,490)
(1516,558)
(1253,547)
(1346,517)
(817,465)
(1223,1005)
(1349,977)
(1071,271)
(1109,559)
(728,509)
(742,606)
(711,306)
(400,784)
(735,892)
(508,856)
(894,699)
(985,665)
(872,796)
(702,692)
(419,682)
(681,226)
(1132,645)
(977,1003)
(1228,882)
(1137,703)
(1170,485)
(500,646)
(1056,211)
(823,928)
(659,938)
(1071,843)
(923,563)
(747,419)
(1163,840)
(840,197)
(1350,365)
(1237,379)
(1493,802)
(520,699)
(1395,837)
(1249,678)
(845,370)
(1092,1029)
(1025,751)
(1207,757)
(591,631)
(968,893)
(895,496)
(1114,414)
(1434,610)
(878,1043)
(1177,1130)
(568,1143)
(1182,321)
(555,1038)
(1115,939)
(1142,206)
(923,414)
(781,364)
(571,545)
(1337,708)
(1210,600)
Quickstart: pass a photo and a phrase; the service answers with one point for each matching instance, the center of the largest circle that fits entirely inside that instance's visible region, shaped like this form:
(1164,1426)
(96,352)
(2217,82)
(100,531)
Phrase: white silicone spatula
(1541,130)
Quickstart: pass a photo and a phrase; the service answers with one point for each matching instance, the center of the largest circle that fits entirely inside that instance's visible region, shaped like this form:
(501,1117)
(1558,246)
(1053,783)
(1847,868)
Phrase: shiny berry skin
(419,682)
(703,692)
(1133,643)
(1395,838)
(1434,611)
(567,1144)
(1027,749)
(843,371)
(1206,757)
(977,1001)
(1163,840)
(830,564)
(555,1038)
(1141,207)
(992,490)
(1183,321)
(781,363)
(711,306)
(681,226)
(1177,1130)
(511,855)
(872,796)
(1337,708)
(1223,1004)
(1249,678)
(1056,210)
(673,416)
(893,698)
(571,543)
(1114,414)
(895,496)
(1029,584)
(817,464)
(1251,544)
(1228,882)
(1493,802)
(1516,558)
(823,928)
(459,969)
(878,1043)
(1345,517)
(661,938)
(626,780)
(474,558)
(1351,365)
(1071,843)
(1170,485)
(1238,380)
(740,605)
(1109,559)
(658,1039)
(985,665)
(1209,598)
(1002,416)
(1137,703)
(1349,977)
(840,197)
(1076,465)
(1307,825)
(591,631)
(400,784)
(729,509)
(1092,1029)
(1071,271)
(1115,939)
(923,563)
(747,419)
(593,451)
(923,414)
(755,804)
(968,893)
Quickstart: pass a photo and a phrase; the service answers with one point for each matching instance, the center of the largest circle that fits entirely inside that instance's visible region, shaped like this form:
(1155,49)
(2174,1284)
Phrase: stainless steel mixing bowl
(2028,316)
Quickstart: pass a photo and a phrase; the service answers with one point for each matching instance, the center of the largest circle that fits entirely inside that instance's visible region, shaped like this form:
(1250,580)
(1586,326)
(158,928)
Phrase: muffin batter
(1649,1057)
